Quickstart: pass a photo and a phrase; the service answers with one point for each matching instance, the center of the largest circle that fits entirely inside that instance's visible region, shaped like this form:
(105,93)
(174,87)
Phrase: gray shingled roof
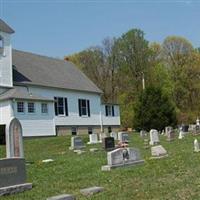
(16,93)
(32,69)
(5,28)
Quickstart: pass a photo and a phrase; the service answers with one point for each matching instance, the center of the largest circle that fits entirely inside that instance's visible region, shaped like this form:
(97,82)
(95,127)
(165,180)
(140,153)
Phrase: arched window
(1,46)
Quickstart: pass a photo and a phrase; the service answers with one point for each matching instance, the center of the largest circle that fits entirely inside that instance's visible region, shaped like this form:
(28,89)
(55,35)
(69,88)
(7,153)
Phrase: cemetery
(71,175)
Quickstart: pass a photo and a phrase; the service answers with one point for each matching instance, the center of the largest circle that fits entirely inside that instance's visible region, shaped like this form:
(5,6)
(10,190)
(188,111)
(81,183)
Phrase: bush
(154,110)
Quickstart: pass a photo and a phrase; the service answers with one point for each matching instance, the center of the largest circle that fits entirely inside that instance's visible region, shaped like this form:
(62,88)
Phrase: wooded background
(118,65)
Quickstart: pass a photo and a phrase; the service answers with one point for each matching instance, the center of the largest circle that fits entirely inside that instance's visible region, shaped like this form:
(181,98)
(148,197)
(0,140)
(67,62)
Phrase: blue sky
(62,27)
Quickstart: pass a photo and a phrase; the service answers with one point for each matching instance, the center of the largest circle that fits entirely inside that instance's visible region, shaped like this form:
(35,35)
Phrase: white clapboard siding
(6,111)
(111,120)
(36,124)
(72,96)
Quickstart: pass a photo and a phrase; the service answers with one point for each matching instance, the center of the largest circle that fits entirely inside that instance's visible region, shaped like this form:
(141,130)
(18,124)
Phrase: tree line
(118,65)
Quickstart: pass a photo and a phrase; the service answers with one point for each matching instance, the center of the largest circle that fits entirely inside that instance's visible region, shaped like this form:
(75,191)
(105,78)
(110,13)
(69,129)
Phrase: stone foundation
(82,130)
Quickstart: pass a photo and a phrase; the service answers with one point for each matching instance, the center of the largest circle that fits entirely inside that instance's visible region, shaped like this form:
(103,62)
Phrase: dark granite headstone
(185,128)
(108,143)
(12,172)
(76,143)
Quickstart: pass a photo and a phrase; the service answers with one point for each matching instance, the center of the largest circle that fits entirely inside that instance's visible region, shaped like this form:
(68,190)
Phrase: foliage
(153,110)
(119,65)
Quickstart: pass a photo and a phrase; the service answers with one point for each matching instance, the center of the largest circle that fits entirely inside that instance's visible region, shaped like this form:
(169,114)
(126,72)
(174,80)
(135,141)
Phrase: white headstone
(158,151)
(114,135)
(198,122)
(14,139)
(93,138)
(196,146)
(181,134)
(154,138)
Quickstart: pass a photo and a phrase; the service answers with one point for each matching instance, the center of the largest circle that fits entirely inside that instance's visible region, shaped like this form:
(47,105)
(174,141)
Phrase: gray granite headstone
(170,135)
(123,136)
(143,133)
(77,143)
(62,197)
(92,190)
(13,176)
(122,157)
(14,139)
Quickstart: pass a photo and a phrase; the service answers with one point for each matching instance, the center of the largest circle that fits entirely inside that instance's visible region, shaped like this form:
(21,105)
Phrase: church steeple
(6,79)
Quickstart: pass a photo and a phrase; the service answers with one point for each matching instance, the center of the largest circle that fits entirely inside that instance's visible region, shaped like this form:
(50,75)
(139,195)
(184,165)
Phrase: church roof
(17,93)
(37,70)
(5,28)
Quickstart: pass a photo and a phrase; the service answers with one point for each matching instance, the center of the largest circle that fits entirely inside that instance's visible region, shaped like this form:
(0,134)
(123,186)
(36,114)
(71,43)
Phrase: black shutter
(56,105)
(113,111)
(66,107)
(88,107)
(79,107)
(106,107)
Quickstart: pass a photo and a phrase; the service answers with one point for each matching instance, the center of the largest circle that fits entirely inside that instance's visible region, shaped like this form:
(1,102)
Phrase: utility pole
(143,81)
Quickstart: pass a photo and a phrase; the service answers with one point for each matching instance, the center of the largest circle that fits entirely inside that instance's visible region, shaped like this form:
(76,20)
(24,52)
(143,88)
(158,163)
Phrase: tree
(176,50)
(132,59)
(153,109)
(99,64)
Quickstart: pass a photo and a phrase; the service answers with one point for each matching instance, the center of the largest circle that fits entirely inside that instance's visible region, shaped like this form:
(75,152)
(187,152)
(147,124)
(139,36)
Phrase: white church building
(49,96)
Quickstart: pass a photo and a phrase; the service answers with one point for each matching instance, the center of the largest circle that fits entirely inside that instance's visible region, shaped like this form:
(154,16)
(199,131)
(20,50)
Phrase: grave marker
(76,143)
(14,139)
(122,157)
(154,138)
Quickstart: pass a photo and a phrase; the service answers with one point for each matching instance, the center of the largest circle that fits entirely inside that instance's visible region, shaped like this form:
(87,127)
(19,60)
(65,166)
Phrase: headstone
(93,138)
(158,152)
(197,129)
(143,133)
(168,129)
(170,135)
(93,149)
(76,143)
(185,128)
(146,143)
(198,122)
(14,139)
(62,197)
(196,146)
(154,138)
(13,176)
(123,137)
(122,157)
(92,190)
(47,160)
(114,135)
(181,134)
(101,136)
(108,143)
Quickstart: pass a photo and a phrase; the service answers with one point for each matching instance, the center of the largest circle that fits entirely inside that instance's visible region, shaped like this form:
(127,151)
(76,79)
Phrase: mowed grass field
(175,177)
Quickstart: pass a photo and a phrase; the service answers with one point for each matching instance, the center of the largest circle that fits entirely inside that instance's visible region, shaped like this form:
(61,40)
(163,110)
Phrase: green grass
(175,177)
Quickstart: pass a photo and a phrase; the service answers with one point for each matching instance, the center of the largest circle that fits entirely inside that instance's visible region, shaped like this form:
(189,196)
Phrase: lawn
(175,177)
